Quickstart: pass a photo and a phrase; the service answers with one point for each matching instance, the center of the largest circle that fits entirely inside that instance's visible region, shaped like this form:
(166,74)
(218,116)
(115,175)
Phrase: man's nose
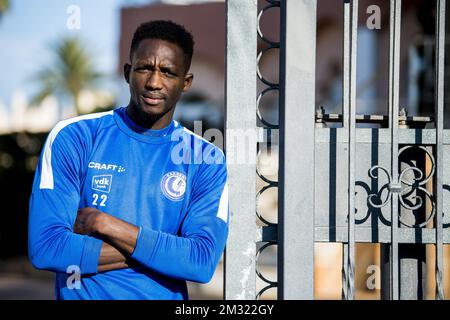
(154,80)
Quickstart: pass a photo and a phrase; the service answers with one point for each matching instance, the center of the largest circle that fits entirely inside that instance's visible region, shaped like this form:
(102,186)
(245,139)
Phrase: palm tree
(69,75)
(4,6)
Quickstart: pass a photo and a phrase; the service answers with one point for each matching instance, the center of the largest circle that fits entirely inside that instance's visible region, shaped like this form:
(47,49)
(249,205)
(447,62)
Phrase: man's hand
(88,221)
(119,237)
(118,233)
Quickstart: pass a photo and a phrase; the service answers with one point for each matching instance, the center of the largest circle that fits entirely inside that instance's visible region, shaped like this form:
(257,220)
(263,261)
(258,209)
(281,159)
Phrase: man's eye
(168,73)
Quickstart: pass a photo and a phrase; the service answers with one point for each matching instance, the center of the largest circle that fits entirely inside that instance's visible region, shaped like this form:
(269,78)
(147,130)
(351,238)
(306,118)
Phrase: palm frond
(4,6)
(72,71)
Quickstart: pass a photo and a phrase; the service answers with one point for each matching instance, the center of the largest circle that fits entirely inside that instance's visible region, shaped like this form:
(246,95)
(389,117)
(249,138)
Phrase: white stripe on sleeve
(222,213)
(47,170)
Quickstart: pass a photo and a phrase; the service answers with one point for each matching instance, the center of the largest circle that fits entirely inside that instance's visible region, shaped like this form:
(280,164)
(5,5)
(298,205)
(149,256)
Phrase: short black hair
(165,30)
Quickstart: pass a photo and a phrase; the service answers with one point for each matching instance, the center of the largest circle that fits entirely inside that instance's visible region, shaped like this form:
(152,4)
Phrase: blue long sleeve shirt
(170,183)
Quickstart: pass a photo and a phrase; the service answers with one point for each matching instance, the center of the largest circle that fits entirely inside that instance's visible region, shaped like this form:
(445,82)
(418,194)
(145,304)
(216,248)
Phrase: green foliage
(72,71)
(4,6)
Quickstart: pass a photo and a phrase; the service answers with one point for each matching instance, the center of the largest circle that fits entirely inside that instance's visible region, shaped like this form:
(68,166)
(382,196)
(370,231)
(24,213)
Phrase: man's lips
(152,99)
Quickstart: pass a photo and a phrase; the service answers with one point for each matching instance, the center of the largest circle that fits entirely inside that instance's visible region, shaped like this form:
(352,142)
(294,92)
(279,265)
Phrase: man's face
(157,77)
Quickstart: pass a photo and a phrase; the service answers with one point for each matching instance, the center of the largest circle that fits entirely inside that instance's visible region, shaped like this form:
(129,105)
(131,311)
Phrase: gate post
(240,255)
(296,173)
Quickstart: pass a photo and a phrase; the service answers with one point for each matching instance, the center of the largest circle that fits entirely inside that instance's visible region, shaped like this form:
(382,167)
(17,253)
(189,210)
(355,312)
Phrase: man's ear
(126,72)
(188,81)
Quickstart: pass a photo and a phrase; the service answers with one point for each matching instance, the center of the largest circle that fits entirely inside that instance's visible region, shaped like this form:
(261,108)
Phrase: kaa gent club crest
(173,185)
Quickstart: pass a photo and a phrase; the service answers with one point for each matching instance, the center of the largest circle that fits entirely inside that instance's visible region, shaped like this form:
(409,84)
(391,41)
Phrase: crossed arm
(119,237)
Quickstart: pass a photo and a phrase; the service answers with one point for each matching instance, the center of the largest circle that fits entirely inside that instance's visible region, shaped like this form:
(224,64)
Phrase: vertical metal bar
(296,191)
(240,272)
(439,110)
(394,88)
(346,65)
(345,287)
(412,256)
(349,103)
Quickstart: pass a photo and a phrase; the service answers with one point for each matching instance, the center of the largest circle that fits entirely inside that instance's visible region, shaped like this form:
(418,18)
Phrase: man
(134,201)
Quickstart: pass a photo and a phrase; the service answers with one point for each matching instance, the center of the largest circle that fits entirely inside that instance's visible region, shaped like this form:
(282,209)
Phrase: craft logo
(104,166)
(102,183)
(173,185)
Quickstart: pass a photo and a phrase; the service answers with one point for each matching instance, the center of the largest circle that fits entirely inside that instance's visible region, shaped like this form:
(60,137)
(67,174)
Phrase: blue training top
(170,183)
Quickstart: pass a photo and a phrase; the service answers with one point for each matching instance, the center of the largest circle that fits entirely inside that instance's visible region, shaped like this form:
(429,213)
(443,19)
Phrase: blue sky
(30,27)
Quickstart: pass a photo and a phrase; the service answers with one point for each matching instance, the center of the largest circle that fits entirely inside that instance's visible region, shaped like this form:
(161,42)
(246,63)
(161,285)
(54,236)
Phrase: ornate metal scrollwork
(270,283)
(269,126)
(405,188)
